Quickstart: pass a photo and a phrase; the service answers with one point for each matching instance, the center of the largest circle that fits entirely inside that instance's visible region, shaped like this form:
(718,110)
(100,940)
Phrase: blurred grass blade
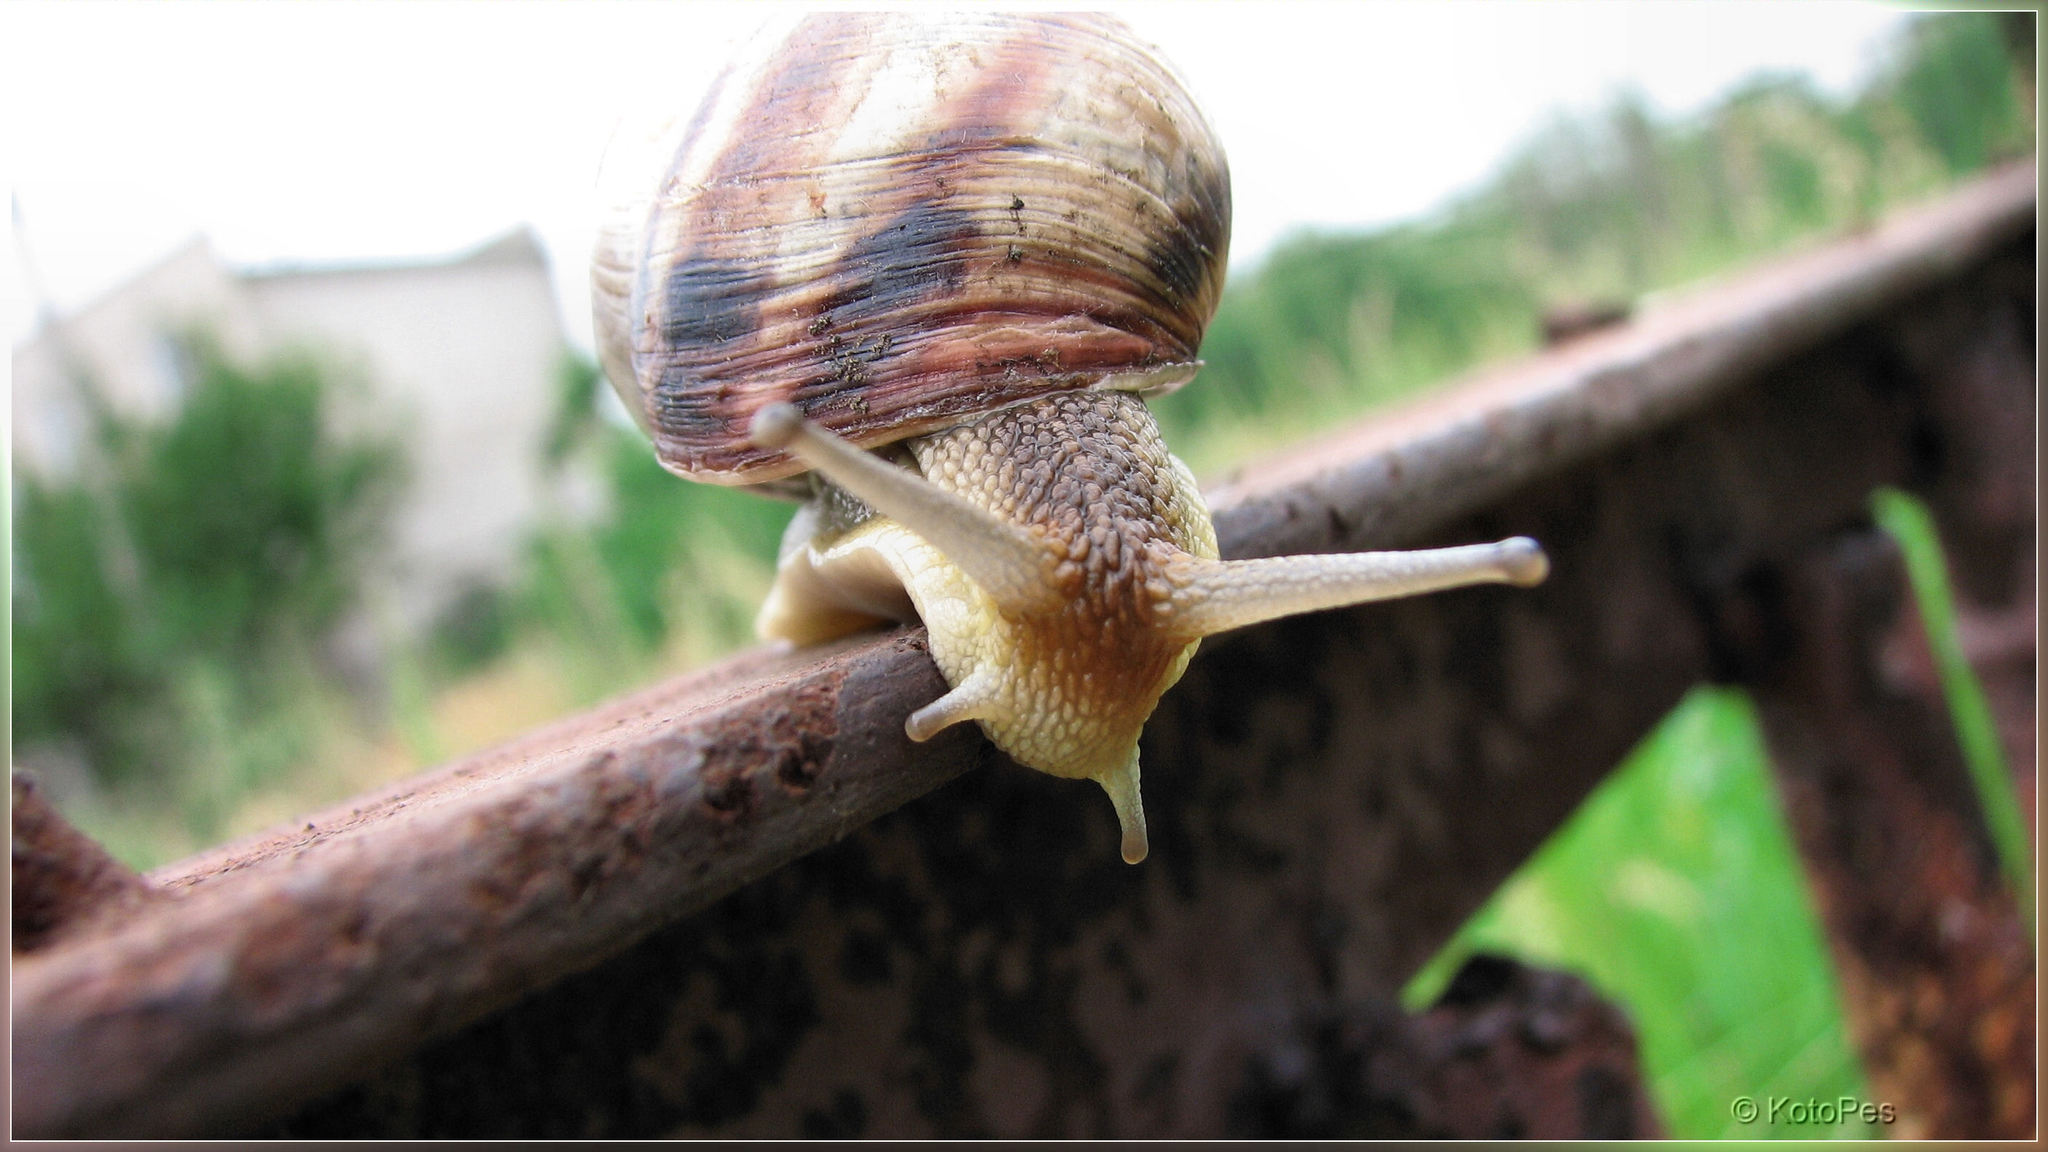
(1907,521)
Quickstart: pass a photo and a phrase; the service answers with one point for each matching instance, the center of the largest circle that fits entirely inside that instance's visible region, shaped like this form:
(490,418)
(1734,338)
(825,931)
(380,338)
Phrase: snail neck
(1088,477)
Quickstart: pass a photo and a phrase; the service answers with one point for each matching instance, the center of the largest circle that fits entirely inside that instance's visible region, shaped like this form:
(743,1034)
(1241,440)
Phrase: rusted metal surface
(280,967)
(1508,1052)
(1329,799)
(1984,495)
(63,881)
(1566,322)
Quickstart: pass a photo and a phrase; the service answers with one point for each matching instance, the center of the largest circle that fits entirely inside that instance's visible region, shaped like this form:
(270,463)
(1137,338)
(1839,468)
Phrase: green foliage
(80,667)
(248,517)
(666,557)
(1353,318)
(475,629)
(1591,211)
(1958,87)
(219,545)
(1675,890)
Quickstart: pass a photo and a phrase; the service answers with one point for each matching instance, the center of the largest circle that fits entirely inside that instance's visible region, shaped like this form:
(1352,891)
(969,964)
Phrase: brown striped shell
(898,222)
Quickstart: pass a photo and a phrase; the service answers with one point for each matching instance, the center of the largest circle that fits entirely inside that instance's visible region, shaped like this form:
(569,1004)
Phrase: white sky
(351,131)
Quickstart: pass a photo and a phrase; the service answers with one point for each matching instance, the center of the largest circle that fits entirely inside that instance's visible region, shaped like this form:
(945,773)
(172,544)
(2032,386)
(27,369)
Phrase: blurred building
(460,356)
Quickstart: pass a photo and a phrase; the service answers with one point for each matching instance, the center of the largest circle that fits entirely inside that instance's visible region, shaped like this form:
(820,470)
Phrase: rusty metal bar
(1330,798)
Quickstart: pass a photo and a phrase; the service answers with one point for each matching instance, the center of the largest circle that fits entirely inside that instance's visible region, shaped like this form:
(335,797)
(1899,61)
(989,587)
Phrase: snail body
(938,265)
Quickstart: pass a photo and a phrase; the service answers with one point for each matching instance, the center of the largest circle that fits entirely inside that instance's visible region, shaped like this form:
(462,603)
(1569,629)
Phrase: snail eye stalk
(1213,596)
(1001,557)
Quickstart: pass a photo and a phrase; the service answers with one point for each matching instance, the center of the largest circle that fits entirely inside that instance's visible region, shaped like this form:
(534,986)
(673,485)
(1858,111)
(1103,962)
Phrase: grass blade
(1907,521)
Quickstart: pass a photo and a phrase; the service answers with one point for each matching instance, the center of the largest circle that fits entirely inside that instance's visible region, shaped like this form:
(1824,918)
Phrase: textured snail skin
(1063,681)
(975,244)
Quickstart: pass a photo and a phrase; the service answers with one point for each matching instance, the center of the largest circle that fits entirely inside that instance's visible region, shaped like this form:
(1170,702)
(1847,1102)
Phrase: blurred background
(315,482)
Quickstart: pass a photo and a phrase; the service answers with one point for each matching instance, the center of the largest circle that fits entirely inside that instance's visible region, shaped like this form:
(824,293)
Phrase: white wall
(464,356)
(123,340)
(460,356)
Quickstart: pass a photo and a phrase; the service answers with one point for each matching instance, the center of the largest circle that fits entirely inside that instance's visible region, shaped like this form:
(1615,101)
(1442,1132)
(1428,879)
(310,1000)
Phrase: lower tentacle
(1122,786)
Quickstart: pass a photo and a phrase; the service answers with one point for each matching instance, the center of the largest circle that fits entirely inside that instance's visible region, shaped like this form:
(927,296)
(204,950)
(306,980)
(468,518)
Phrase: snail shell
(896,222)
(975,243)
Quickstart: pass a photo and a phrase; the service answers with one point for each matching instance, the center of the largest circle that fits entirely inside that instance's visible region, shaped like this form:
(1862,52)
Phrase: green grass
(1907,520)
(1676,891)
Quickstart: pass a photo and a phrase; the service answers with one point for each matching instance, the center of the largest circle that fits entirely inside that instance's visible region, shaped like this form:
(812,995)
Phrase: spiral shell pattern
(899,223)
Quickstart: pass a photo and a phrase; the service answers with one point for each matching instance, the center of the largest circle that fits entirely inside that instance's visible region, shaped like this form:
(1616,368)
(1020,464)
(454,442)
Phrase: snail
(922,273)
